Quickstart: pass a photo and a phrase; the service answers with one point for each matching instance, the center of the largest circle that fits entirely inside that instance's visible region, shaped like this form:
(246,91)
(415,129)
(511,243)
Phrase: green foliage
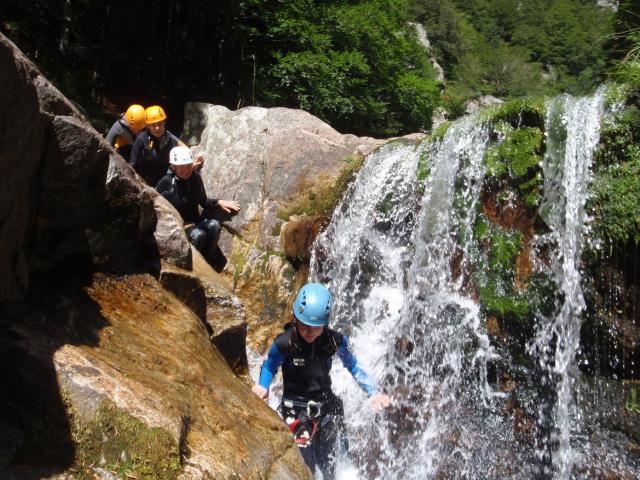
(624,45)
(615,200)
(631,404)
(127,446)
(516,161)
(512,48)
(356,65)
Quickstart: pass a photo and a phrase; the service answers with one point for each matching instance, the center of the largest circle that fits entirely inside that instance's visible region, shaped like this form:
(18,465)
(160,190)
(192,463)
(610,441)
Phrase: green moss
(615,203)
(620,131)
(494,262)
(516,160)
(495,270)
(497,302)
(322,197)
(438,133)
(617,94)
(615,190)
(275,231)
(117,442)
(527,111)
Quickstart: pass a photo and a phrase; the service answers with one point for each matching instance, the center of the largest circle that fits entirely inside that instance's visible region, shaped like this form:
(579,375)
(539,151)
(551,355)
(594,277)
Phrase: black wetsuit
(121,137)
(150,155)
(306,377)
(187,196)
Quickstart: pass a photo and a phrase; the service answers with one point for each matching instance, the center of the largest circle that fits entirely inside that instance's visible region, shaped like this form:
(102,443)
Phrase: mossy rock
(522,112)
(516,160)
(115,441)
(494,278)
(615,190)
(438,133)
(323,196)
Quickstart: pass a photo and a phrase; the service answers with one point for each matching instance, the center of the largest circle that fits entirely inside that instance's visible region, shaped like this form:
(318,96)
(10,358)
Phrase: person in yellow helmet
(150,152)
(124,131)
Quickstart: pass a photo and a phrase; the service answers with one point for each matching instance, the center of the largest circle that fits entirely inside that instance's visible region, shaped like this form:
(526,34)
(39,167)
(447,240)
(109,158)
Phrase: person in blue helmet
(305,351)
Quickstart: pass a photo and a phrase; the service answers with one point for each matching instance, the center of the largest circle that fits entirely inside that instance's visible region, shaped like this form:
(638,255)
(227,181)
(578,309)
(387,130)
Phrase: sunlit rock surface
(127,341)
(88,358)
(263,157)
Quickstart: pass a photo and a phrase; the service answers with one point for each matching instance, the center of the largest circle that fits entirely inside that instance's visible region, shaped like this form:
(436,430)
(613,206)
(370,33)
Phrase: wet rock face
(66,196)
(123,344)
(297,236)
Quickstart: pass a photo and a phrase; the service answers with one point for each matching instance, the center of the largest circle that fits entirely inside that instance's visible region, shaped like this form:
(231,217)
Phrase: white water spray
(572,133)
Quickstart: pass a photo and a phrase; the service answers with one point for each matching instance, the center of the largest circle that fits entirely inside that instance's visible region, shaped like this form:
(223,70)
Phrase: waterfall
(387,257)
(572,133)
(399,257)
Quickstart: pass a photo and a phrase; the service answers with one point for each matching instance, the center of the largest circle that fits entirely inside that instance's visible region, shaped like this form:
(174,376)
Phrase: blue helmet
(312,305)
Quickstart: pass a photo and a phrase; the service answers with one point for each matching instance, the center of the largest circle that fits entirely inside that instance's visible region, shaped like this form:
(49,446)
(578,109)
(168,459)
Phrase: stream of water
(396,257)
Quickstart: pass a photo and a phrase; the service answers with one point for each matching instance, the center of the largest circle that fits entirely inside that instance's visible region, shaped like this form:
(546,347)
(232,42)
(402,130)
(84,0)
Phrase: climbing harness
(303,419)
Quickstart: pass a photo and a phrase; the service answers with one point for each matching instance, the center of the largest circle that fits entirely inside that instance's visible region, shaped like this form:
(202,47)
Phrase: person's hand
(199,162)
(229,206)
(379,401)
(261,392)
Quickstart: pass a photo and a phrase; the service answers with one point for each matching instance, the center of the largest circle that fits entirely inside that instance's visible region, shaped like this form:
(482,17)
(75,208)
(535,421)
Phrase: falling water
(572,133)
(399,255)
(409,318)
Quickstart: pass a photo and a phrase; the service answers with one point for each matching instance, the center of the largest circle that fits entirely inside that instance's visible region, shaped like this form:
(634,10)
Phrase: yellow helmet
(154,114)
(135,117)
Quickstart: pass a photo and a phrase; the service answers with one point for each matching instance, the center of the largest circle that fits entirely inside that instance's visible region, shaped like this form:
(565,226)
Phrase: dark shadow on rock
(194,124)
(35,433)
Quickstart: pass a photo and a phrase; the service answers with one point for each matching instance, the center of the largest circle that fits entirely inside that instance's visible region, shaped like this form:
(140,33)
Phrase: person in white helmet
(184,189)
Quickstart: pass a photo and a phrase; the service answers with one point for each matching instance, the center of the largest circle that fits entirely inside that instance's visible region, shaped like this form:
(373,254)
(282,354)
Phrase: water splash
(572,133)
(390,273)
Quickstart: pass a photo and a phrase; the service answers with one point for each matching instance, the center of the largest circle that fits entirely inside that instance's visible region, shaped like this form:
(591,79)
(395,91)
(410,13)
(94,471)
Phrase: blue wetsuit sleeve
(350,362)
(270,366)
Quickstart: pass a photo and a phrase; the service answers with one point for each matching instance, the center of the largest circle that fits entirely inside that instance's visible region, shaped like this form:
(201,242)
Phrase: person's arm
(350,362)
(378,400)
(113,133)
(269,368)
(136,152)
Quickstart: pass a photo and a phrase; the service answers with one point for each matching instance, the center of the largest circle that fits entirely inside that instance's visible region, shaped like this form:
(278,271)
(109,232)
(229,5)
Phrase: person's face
(308,333)
(156,129)
(183,172)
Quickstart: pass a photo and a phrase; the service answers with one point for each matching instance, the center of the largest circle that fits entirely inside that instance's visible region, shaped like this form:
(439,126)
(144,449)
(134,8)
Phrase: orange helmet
(154,114)
(135,117)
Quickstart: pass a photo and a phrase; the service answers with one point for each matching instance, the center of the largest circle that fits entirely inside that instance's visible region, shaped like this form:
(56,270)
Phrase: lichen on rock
(119,443)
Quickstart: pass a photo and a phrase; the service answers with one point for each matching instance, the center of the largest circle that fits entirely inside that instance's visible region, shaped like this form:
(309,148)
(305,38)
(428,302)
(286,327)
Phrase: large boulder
(264,157)
(270,161)
(66,196)
(105,371)
(122,347)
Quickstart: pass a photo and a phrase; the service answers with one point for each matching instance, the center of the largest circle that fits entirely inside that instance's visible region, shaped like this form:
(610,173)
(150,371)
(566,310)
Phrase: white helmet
(180,156)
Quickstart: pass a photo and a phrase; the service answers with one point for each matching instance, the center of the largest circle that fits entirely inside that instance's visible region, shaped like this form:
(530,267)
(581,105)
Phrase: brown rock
(128,341)
(297,236)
